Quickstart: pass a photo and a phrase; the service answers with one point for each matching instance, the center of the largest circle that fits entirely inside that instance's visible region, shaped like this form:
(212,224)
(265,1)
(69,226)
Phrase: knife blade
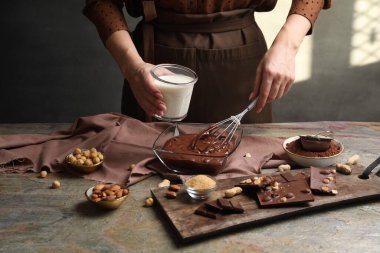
(368,170)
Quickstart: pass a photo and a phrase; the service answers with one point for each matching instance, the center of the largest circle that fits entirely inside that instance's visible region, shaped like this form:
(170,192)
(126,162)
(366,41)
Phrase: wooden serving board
(180,211)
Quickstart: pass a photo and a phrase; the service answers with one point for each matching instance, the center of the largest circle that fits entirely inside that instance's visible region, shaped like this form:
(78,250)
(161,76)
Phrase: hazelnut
(43,173)
(96,160)
(101,157)
(93,155)
(77,151)
(56,184)
(86,153)
(131,166)
(92,150)
(149,202)
(88,162)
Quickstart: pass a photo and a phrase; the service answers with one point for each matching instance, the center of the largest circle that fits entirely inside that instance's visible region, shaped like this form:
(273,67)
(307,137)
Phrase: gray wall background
(54,68)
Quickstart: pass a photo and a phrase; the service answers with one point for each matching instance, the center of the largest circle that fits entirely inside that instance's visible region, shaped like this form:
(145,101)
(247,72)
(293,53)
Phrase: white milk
(177,95)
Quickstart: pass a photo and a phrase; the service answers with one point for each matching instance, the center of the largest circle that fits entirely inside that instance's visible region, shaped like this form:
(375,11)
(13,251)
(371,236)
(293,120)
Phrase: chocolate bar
(213,206)
(204,211)
(323,181)
(230,206)
(286,193)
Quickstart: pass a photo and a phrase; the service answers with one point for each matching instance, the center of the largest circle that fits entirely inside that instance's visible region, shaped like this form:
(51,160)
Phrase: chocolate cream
(198,153)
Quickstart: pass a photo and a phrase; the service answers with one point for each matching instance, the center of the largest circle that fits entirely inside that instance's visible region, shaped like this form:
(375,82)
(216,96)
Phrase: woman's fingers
(146,93)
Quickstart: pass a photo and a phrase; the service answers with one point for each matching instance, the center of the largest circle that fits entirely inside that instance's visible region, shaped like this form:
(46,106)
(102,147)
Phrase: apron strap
(149,11)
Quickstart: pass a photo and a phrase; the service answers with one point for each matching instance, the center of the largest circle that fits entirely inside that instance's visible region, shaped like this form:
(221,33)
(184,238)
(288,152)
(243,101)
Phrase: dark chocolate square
(213,206)
(230,206)
(203,211)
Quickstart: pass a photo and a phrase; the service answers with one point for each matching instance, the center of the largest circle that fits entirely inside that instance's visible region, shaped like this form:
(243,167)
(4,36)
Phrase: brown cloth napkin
(123,141)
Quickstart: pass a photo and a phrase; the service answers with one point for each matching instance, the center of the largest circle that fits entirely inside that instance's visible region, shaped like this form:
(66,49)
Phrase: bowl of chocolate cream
(173,147)
(305,156)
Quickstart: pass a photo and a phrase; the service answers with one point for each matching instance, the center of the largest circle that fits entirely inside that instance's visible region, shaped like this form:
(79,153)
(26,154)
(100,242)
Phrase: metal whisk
(223,131)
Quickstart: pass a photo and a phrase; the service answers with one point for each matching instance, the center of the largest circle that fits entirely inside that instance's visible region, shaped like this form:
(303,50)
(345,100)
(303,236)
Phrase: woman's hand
(276,71)
(274,75)
(145,91)
(137,72)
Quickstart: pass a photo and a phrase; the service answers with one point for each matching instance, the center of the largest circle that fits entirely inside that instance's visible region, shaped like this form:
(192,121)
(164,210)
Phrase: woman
(218,39)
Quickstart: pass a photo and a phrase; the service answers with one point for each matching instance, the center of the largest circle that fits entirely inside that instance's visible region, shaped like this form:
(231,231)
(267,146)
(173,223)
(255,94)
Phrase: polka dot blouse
(108,17)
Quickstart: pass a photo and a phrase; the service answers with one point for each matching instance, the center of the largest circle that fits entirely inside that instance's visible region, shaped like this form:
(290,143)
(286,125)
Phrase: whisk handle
(252,104)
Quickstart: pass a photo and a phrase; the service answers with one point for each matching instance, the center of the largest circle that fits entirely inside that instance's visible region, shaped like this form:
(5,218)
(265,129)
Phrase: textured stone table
(34,218)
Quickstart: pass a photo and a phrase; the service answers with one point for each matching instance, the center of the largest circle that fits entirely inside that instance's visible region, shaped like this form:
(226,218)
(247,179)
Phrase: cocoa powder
(296,148)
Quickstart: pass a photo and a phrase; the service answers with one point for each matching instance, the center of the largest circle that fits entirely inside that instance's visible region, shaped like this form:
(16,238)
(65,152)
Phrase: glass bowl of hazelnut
(85,160)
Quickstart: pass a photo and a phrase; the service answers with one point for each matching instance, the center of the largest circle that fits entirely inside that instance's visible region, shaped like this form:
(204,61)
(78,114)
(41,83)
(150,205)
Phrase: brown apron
(224,50)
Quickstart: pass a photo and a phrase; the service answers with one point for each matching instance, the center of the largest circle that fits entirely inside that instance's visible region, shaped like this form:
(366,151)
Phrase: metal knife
(368,170)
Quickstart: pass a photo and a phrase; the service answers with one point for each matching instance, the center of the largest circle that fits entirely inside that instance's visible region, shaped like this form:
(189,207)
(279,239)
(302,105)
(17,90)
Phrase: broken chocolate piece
(256,182)
(323,181)
(213,206)
(294,192)
(203,211)
(230,206)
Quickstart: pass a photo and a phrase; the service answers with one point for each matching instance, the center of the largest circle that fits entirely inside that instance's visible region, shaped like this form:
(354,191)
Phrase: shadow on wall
(54,67)
(345,74)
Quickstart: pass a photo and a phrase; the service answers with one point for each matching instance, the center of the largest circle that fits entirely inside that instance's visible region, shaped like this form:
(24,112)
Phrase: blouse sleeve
(309,9)
(107,16)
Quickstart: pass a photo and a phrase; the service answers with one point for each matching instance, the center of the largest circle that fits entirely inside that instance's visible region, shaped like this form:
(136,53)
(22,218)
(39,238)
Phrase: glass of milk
(176,84)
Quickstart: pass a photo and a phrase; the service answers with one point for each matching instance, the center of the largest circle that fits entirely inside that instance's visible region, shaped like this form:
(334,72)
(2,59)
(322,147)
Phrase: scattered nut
(164,183)
(257,181)
(283,199)
(148,202)
(353,159)
(284,167)
(131,166)
(56,184)
(247,155)
(43,173)
(229,193)
(343,168)
(334,192)
(174,188)
(171,195)
(246,181)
